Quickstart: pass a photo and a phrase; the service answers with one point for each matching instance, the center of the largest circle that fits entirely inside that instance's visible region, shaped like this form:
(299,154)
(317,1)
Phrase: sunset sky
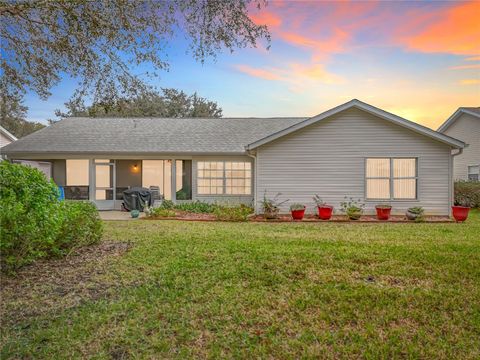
(419,60)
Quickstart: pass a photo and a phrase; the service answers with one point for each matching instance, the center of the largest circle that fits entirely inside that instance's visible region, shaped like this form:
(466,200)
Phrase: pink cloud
(464,67)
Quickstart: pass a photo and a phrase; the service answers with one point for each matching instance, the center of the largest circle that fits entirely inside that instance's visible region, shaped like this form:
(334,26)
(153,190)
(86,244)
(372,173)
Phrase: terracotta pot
(325,212)
(383,213)
(460,213)
(298,214)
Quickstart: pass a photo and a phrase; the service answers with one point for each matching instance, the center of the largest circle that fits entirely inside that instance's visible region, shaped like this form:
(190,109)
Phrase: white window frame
(391,179)
(224,177)
(472,173)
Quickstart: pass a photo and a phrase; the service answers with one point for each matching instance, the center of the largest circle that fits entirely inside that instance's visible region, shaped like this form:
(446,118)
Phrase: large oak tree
(102,42)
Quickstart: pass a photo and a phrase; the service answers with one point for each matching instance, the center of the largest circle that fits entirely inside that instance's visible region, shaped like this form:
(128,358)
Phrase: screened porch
(104,180)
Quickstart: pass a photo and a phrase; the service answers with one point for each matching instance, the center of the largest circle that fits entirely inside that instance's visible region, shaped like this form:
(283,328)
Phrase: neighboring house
(464,124)
(6,137)
(354,150)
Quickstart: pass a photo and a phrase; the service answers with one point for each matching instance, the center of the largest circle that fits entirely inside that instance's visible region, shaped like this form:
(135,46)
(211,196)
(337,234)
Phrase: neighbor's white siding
(223,199)
(4,140)
(467,129)
(328,158)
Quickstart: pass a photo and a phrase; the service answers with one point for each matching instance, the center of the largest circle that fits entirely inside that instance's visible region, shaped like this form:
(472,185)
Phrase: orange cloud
(293,73)
(260,73)
(454,30)
(473,58)
(470,82)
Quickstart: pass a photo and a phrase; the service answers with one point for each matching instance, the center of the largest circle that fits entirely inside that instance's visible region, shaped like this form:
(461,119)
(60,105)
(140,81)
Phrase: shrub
(81,226)
(467,193)
(352,208)
(161,212)
(233,213)
(167,204)
(30,215)
(198,207)
(34,223)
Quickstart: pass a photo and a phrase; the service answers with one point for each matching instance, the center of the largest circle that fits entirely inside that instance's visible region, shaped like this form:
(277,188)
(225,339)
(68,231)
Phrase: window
(238,178)
(210,177)
(224,177)
(391,178)
(473,172)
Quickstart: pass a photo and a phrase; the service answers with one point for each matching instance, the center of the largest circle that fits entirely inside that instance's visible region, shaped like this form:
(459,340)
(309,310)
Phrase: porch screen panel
(158,173)
(77,172)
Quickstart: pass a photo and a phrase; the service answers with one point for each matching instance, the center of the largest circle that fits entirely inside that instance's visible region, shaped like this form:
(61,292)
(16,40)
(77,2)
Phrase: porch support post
(174,180)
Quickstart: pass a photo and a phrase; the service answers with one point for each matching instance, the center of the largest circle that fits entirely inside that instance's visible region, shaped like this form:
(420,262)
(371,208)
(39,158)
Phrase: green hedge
(34,223)
(467,193)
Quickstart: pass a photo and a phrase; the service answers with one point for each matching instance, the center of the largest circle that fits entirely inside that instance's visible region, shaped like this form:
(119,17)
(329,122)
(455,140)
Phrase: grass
(255,290)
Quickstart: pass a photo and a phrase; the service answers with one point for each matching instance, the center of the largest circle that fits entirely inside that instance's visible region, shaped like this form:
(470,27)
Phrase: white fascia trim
(8,134)
(454,117)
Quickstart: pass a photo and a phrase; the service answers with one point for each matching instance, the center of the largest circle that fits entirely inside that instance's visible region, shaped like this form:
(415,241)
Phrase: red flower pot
(298,214)
(460,213)
(325,212)
(383,213)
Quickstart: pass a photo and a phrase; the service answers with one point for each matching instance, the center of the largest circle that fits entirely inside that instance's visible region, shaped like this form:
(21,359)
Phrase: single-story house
(354,150)
(6,137)
(464,124)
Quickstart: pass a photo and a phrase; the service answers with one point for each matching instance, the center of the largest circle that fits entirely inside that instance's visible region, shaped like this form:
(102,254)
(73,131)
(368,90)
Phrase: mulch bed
(344,219)
(186,216)
(49,286)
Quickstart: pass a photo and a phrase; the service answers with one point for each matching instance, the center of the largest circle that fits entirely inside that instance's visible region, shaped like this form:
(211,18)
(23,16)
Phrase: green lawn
(254,290)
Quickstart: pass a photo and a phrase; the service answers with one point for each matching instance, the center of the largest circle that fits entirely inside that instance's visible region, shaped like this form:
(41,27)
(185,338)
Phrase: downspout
(452,180)
(254,157)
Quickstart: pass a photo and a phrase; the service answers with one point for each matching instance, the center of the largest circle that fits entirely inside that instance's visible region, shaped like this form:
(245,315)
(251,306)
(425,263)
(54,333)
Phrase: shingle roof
(148,135)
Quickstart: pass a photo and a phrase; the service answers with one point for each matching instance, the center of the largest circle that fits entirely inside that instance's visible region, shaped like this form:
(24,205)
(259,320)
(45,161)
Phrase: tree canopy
(168,103)
(12,116)
(102,43)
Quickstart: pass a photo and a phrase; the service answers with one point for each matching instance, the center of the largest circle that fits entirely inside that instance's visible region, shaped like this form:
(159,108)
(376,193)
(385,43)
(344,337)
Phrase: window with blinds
(224,178)
(391,178)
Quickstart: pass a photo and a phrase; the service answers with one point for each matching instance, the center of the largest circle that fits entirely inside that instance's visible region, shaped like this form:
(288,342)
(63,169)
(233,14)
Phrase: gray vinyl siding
(328,158)
(222,199)
(466,128)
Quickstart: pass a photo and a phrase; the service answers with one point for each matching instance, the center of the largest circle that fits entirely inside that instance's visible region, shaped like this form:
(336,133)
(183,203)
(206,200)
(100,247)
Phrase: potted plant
(297,210)
(415,213)
(271,207)
(461,208)
(324,210)
(383,211)
(352,208)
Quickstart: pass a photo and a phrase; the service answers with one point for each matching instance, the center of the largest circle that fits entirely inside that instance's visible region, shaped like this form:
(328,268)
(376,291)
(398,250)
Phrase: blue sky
(419,60)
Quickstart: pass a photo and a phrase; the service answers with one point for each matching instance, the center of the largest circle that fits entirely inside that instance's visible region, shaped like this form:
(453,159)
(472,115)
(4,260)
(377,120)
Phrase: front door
(104,184)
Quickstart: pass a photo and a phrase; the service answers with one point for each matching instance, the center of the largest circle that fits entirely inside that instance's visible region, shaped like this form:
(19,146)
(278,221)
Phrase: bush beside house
(467,193)
(34,223)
